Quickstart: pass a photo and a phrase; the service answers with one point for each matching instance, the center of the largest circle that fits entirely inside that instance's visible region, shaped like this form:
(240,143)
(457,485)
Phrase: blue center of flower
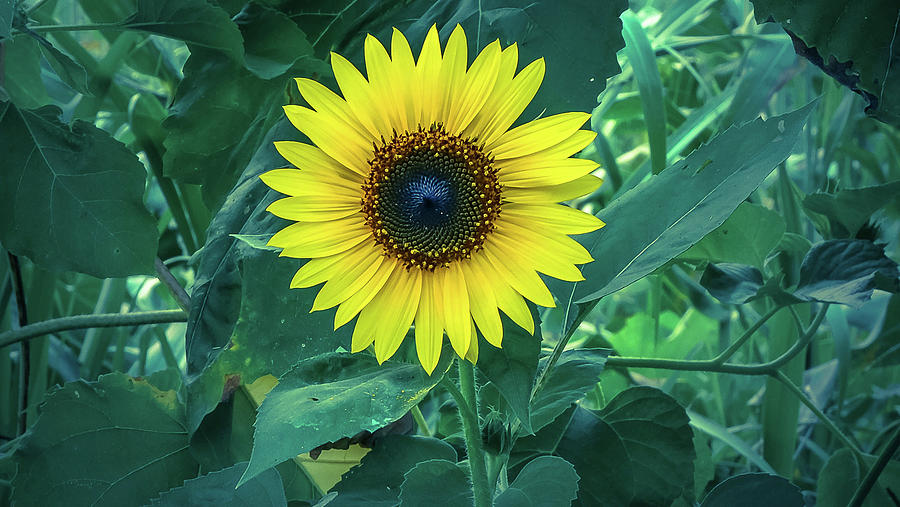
(430,198)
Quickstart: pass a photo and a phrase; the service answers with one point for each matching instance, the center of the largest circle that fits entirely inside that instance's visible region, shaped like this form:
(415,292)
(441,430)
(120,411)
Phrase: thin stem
(88,321)
(421,422)
(25,348)
(561,346)
(869,480)
(781,377)
(730,351)
(472,431)
(165,276)
(77,28)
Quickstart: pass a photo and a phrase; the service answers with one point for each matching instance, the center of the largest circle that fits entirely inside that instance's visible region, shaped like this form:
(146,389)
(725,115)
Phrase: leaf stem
(18,324)
(420,421)
(730,351)
(869,480)
(30,331)
(168,279)
(472,431)
(787,382)
(76,28)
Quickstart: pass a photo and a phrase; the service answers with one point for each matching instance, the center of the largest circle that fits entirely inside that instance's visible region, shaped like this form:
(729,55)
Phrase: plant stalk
(472,431)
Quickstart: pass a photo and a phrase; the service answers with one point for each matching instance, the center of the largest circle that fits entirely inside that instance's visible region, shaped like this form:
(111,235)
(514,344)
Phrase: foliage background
(132,134)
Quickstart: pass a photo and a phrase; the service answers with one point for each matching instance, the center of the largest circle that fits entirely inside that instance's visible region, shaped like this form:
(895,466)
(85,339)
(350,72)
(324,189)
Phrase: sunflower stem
(472,431)
(42,328)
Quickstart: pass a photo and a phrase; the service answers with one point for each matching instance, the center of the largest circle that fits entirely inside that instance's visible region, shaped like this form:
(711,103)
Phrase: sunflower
(418,204)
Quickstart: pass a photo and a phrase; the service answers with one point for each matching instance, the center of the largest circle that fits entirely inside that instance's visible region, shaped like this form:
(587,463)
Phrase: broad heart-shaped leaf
(732,283)
(512,368)
(22,70)
(376,481)
(576,373)
(331,396)
(545,481)
(845,271)
(196,22)
(847,210)
(851,44)
(746,237)
(71,72)
(71,197)
(650,224)
(436,482)
(656,431)
(117,441)
(218,489)
(752,490)
(272,42)
(608,476)
(216,295)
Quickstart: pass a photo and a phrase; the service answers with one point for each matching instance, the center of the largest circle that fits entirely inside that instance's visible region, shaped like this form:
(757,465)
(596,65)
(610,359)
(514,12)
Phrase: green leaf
(72,73)
(576,373)
(193,21)
(747,237)
(546,481)
(22,69)
(592,445)
(219,489)
(71,197)
(845,271)
(7,11)
(257,241)
(837,480)
(719,432)
(131,434)
(732,283)
(376,481)
(658,436)
(649,225)
(512,368)
(849,209)
(436,481)
(752,490)
(332,396)
(272,42)
(855,46)
(643,61)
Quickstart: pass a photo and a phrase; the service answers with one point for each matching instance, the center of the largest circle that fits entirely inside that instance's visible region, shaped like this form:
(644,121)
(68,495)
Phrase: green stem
(77,28)
(25,333)
(789,384)
(869,480)
(168,279)
(727,353)
(472,431)
(560,346)
(421,422)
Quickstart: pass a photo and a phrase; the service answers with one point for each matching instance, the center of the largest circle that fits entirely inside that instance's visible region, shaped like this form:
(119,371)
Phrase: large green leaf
(117,441)
(376,481)
(576,373)
(847,210)
(332,396)
(196,22)
(650,225)
(656,431)
(752,490)
(845,271)
(545,481)
(732,283)
(22,70)
(512,368)
(592,445)
(746,237)
(439,481)
(837,480)
(71,197)
(272,42)
(218,489)
(7,11)
(853,43)
(72,73)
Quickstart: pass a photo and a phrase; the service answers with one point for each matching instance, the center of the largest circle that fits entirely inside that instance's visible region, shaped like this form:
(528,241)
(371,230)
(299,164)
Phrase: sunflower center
(430,198)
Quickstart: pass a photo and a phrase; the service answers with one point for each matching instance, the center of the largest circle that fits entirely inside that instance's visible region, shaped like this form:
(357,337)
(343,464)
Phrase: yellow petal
(359,96)
(333,136)
(327,103)
(452,284)
(474,91)
(315,163)
(365,330)
(541,171)
(396,305)
(537,255)
(409,82)
(316,271)
(320,239)
(472,353)
(482,303)
(551,240)
(315,208)
(387,85)
(508,300)
(295,182)
(359,267)
(536,135)
(497,98)
(565,219)
(513,101)
(429,324)
(358,300)
(556,193)
(518,275)
(428,67)
(453,73)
